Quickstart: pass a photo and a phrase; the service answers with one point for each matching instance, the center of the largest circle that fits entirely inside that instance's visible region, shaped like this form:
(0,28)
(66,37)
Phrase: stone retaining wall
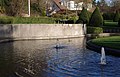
(41,31)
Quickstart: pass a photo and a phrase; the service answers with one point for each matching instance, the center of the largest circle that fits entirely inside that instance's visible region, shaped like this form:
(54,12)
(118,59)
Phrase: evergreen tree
(83,17)
(96,18)
(116,17)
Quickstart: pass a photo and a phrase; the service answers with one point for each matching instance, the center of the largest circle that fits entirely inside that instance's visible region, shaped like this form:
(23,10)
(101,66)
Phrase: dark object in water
(59,47)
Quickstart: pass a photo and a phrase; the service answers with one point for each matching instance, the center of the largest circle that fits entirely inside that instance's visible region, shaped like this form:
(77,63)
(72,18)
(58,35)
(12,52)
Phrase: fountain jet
(103,58)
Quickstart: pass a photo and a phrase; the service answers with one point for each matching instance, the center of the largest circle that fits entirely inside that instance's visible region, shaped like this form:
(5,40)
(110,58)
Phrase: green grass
(111,42)
(29,20)
(110,24)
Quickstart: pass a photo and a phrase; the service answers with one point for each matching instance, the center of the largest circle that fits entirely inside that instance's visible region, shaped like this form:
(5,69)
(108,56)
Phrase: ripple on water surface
(41,58)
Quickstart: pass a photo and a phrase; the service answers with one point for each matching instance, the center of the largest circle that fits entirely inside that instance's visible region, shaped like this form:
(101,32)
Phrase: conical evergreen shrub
(96,18)
(116,17)
(83,17)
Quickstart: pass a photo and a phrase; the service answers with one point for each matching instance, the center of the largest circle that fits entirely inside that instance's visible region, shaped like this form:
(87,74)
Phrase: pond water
(41,58)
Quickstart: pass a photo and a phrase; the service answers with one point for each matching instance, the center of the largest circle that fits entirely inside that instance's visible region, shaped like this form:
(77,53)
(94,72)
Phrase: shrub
(33,20)
(119,22)
(63,18)
(108,16)
(94,30)
(74,19)
(89,14)
(58,16)
(26,20)
(107,29)
(111,24)
(6,20)
(116,17)
(83,17)
(96,18)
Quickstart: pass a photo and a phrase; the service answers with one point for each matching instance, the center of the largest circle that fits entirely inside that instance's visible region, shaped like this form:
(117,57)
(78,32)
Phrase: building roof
(61,7)
(57,2)
(88,1)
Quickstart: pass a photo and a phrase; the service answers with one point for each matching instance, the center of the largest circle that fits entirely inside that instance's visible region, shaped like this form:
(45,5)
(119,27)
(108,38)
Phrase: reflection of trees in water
(6,60)
(32,57)
(29,58)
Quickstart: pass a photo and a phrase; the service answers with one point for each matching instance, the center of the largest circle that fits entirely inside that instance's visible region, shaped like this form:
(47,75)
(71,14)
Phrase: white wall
(71,5)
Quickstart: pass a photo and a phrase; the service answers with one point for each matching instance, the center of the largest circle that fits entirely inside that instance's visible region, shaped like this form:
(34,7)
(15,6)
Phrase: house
(55,6)
(61,5)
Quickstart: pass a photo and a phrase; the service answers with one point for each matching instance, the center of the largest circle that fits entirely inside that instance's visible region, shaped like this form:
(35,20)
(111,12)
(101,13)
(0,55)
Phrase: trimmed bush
(119,22)
(111,29)
(94,30)
(110,24)
(96,18)
(63,18)
(33,20)
(116,17)
(6,20)
(108,16)
(26,20)
(83,17)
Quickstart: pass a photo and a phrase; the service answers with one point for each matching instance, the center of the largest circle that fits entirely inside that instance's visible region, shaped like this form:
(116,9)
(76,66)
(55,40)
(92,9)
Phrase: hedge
(119,22)
(110,24)
(94,30)
(108,16)
(6,20)
(26,20)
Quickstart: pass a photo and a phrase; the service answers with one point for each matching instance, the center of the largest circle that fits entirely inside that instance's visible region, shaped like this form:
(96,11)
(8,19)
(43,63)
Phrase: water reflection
(40,58)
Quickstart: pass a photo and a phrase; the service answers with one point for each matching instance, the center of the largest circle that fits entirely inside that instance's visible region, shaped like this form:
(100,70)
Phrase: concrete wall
(41,31)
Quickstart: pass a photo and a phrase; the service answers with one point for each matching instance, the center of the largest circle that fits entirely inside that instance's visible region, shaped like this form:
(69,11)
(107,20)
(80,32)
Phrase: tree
(116,17)
(103,6)
(98,3)
(13,7)
(40,6)
(1,3)
(96,18)
(115,4)
(83,16)
(103,2)
(94,2)
(2,10)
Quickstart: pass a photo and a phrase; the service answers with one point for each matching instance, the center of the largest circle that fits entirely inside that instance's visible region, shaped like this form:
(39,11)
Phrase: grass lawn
(111,42)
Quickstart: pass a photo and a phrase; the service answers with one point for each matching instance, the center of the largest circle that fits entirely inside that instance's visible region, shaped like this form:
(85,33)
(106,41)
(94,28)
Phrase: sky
(107,1)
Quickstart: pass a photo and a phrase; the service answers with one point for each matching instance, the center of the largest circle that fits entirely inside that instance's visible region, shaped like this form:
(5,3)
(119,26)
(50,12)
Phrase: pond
(41,58)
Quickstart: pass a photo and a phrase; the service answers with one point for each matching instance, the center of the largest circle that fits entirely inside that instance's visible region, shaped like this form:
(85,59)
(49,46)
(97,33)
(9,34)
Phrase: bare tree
(13,7)
(115,4)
